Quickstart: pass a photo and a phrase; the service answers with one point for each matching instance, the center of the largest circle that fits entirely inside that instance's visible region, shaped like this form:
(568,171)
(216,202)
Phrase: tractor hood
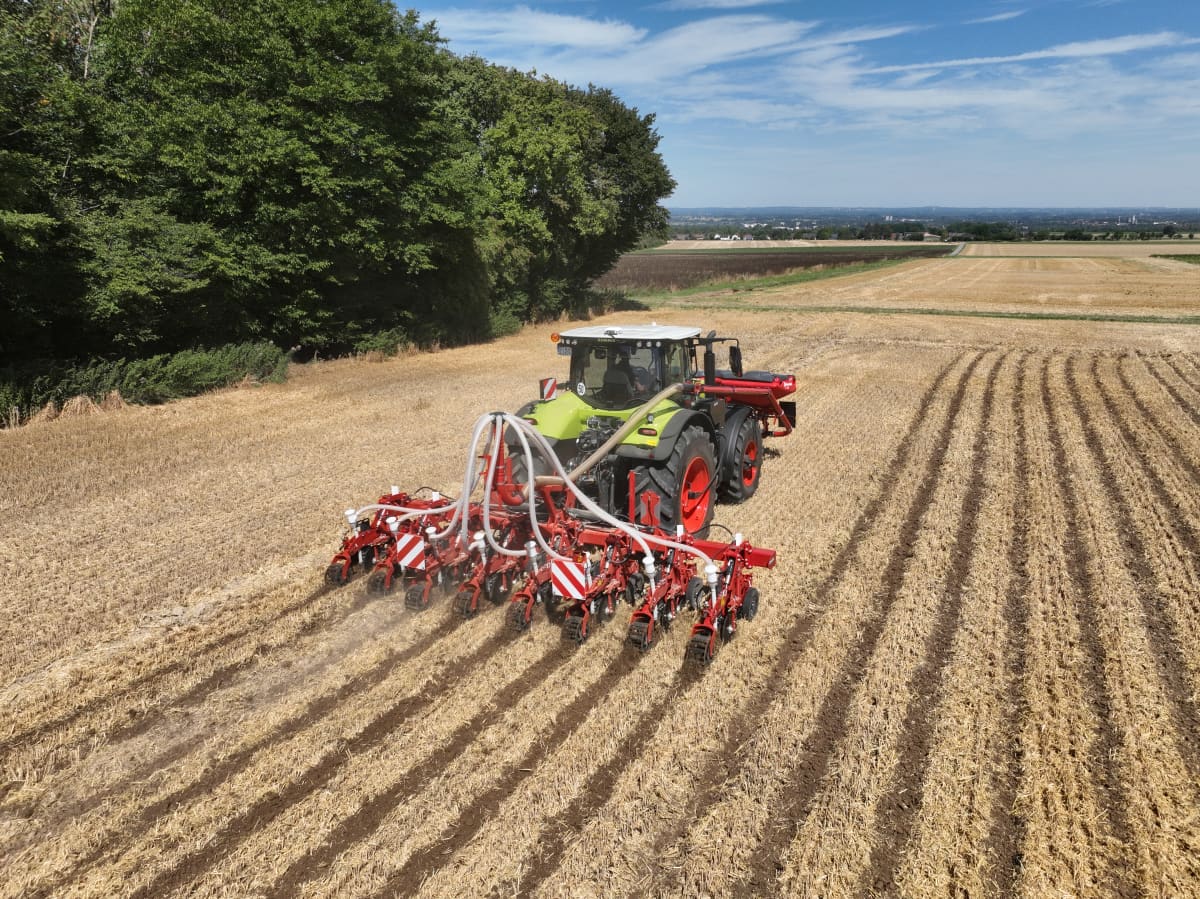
(565,417)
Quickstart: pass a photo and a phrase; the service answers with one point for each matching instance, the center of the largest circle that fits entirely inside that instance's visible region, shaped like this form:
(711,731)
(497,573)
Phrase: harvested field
(1099,288)
(660,270)
(976,670)
(1116,249)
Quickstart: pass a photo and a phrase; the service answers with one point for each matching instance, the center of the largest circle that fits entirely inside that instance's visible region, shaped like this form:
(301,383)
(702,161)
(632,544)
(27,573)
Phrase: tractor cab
(620,368)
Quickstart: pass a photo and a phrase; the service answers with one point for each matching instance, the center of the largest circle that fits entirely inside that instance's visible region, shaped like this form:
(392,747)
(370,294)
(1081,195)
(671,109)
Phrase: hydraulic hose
(640,537)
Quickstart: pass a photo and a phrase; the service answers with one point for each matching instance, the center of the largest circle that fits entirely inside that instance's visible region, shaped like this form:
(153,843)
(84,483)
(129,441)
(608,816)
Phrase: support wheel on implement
(639,635)
(749,605)
(575,630)
(336,575)
(494,587)
(699,652)
(464,605)
(414,598)
(378,583)
(517,619)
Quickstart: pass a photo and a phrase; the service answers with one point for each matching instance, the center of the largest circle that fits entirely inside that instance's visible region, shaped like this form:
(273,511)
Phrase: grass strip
(751,284)
(917,252)
(1194,258)
(954,313)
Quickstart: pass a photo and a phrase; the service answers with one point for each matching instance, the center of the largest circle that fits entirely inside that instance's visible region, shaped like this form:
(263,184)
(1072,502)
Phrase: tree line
(313,173)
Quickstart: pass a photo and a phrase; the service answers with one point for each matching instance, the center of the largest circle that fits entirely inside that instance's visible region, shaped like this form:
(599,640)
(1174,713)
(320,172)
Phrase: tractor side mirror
(735,360)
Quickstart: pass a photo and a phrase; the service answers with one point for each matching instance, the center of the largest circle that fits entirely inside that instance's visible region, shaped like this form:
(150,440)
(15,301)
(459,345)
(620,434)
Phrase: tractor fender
(675,426)
(728,437)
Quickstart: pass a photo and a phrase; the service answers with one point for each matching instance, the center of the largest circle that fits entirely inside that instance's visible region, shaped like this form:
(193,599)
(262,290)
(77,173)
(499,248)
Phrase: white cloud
(998,17)
(523,26)
(763,80)
(1075,50)
(686,5)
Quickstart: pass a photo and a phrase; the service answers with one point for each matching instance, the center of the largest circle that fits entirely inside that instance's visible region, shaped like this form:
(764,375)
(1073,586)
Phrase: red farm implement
(595,496)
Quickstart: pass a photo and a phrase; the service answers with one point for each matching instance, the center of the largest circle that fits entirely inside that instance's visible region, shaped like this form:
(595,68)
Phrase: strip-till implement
(544,542)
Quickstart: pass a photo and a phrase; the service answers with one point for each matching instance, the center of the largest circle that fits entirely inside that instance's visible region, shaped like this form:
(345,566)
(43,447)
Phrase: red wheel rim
(750,464)
(694,498)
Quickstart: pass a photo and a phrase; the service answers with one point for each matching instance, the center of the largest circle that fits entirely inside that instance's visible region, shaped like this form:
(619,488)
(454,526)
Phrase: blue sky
(817,103)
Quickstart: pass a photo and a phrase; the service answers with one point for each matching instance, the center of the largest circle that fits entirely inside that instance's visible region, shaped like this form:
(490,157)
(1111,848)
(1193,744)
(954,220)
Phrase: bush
(153,380)
(388,342)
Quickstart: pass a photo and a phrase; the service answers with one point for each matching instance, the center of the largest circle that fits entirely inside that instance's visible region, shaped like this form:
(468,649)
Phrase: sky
(852,103)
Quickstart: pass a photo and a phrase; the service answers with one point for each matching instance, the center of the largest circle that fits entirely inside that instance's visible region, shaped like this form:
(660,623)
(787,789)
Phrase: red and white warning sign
(568,579)
(549,388)
(410,551)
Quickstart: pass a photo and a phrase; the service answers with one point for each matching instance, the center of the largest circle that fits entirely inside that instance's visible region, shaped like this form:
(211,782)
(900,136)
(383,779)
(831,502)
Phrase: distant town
(933,223)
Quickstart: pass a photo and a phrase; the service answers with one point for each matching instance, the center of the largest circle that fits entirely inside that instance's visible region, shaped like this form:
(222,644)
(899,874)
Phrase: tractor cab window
(615,375)
(676,363)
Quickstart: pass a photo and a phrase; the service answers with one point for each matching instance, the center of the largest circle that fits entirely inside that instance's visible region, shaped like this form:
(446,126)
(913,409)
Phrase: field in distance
(976,668)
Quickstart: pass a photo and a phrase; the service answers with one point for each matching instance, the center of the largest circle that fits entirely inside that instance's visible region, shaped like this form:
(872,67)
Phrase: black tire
(377,583)
(666,479)
(749,605)
(699,651)
(575,630)
(515,617)
(336,574)
(462,602)
(414,598)
(693,595)
(745,463)
(637,636)
(494,587)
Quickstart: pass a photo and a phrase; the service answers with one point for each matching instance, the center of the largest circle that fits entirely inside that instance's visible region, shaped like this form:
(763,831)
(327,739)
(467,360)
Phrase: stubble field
(976,670)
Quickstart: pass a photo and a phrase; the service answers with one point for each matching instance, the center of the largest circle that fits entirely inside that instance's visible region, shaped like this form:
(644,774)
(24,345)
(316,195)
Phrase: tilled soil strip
(1190,405)
(1067,840)
(1156,784)
(897,810)
(711,785)
(1164,648)
(127,690)
(122,826)
(833,717)
(1007,829)
(1111,787)
(1182,443)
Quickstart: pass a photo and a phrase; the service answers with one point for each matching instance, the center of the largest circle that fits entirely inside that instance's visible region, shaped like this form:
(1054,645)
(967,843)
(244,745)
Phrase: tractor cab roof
(631,333)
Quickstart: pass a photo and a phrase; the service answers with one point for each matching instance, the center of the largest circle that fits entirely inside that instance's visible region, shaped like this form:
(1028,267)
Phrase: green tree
(293,157)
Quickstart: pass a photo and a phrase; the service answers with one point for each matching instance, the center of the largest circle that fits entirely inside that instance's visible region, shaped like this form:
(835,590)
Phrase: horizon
(1059,104)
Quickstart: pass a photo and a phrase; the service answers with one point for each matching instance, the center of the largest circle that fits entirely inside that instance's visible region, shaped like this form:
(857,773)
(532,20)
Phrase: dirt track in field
(975,670)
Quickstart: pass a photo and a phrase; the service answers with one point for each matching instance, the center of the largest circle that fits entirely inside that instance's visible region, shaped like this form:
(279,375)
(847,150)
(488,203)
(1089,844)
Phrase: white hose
(471,477)
(641,538)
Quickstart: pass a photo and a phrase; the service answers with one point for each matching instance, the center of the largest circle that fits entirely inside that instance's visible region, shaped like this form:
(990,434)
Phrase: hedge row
(153,380)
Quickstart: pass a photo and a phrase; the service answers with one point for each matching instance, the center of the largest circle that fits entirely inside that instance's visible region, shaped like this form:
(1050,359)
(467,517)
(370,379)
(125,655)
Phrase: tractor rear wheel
(685,483)
(745,463)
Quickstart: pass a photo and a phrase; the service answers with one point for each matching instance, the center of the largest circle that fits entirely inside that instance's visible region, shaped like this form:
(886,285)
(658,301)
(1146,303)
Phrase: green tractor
(650,428)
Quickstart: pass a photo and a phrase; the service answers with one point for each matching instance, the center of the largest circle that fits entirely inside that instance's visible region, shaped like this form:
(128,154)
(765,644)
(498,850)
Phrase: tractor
(647,426)
(599,494)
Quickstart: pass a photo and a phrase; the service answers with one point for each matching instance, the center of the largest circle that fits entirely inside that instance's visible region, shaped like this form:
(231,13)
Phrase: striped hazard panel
(410,551)
(568,579)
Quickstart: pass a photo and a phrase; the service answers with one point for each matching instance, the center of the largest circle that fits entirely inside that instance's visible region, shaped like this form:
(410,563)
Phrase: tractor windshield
(615,375)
